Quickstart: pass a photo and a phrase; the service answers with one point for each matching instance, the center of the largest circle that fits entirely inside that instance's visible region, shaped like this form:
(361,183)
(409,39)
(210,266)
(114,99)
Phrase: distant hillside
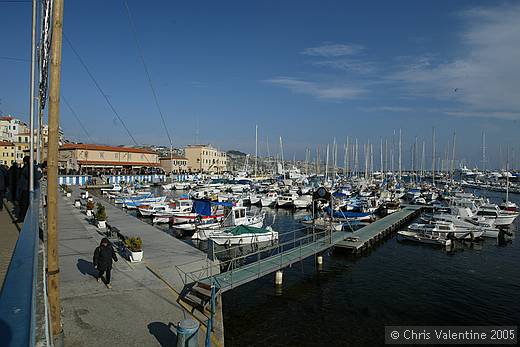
(234,153)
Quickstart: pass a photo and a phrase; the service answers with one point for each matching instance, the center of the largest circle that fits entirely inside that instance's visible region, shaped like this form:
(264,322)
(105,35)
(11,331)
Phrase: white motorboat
(464,223)
(447,228)
(179,206)
(134,203)
(181,185)
(492,212)
(237,215)
(286,200)
(430,238)
(244,235)
(168,186)
(152,208)
(255,199)
(269,199)
(303,201)
(115,188)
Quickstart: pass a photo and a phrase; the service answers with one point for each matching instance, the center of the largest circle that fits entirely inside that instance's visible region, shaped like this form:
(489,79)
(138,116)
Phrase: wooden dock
(365,237)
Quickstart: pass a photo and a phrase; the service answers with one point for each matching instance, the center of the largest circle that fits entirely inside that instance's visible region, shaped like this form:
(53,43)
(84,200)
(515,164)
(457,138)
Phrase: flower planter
(101,224)
(77,203)
(90,199)
(69,195)
(134,257)
(89,213)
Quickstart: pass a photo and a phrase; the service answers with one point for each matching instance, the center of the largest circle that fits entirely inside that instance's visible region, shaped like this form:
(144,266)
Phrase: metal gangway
(234,266)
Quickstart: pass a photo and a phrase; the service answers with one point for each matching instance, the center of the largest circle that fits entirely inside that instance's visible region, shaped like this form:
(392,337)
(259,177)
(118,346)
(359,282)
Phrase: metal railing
(19,293)
(231,261)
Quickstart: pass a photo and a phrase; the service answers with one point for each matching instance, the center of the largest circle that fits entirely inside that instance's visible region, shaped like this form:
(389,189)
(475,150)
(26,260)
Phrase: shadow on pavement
(87,268)
(163,333)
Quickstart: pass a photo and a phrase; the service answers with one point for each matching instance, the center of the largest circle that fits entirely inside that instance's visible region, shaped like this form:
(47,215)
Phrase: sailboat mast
(507,176)
(400,144)
(423,157)
(433,156)
(327,164)
(347,167)
(281,154)
(256,150)
(484,151)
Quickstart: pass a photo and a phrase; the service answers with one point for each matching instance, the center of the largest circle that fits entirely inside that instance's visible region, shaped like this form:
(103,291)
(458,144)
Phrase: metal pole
(52,172)
(31,98)
(256,150)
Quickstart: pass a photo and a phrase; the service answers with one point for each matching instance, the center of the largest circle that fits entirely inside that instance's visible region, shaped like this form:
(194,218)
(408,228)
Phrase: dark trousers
(105,271)
(23,204)
(2,194)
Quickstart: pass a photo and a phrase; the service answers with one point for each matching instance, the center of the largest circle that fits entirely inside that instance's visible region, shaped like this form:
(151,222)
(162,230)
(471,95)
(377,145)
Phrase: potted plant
(134,248)
(90,208)
(68,191)
(101,216)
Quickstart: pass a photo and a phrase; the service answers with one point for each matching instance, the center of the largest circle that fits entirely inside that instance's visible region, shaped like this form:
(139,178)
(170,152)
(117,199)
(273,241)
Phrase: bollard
(278,278)
(187,333)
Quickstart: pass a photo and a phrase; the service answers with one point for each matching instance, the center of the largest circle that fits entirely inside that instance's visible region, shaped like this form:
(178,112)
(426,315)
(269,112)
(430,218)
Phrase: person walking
(13,181)
(103,256)
(4,182)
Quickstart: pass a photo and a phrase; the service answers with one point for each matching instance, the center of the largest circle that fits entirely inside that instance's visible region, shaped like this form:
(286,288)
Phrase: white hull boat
(428,238)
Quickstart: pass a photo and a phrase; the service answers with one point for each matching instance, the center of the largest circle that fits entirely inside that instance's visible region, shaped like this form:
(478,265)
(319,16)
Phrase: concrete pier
(142,308)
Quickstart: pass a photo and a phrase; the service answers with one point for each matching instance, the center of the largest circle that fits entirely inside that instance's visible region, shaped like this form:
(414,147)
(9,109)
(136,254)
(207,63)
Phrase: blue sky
(304,70)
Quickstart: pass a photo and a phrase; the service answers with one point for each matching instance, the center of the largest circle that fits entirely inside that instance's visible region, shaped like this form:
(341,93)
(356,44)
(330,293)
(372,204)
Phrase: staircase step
(194,301)
(203,285)
(206,293)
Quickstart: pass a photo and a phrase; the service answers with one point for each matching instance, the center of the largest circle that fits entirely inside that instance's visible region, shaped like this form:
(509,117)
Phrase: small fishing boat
(430,238)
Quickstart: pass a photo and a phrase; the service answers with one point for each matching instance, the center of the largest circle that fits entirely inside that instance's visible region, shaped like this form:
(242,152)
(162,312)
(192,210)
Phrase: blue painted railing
(18,296)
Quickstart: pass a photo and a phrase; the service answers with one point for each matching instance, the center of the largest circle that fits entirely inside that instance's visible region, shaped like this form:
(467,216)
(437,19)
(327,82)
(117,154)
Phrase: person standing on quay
(13,181)
(103,256)
(4,180)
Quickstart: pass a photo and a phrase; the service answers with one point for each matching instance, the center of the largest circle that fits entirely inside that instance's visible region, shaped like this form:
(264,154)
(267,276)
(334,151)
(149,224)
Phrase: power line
(15,59)
(100,89)
(77,118)
(139,50)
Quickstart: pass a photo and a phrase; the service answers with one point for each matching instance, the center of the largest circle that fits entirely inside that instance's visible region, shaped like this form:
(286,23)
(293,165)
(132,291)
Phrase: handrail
(19,293)
(279,248)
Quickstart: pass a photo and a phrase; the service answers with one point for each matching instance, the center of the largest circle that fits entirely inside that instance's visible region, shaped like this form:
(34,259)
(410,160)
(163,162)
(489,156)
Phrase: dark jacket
(103,256)
(4,178)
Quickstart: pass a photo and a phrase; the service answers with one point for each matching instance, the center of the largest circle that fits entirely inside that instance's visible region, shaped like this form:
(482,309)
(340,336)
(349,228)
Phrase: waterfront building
(7,153)
(205,159)
(91,157)
(174,164)
(10,127)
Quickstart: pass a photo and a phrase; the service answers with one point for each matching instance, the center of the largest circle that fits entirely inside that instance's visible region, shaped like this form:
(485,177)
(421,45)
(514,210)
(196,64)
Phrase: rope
(141,56)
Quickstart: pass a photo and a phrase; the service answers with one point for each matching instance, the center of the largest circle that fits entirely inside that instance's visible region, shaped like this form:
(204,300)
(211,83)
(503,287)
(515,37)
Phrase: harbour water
(350,300)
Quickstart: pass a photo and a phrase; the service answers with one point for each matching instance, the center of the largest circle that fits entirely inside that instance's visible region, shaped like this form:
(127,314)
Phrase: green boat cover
(244,229)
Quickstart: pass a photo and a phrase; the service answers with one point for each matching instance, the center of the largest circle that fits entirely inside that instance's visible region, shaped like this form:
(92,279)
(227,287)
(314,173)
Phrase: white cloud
(350,65)
(333,50)
(399,109)
(485,79)
(336,92)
